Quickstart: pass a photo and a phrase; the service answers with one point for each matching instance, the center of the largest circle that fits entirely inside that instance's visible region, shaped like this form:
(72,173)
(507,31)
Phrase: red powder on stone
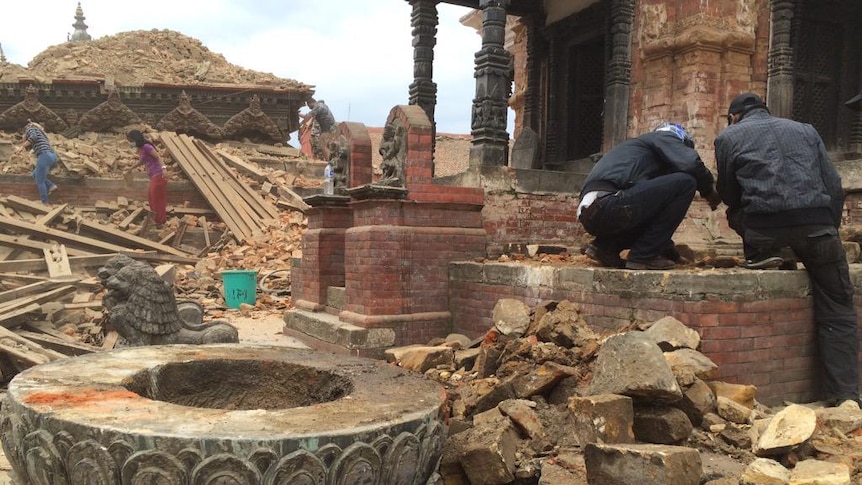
(82,396)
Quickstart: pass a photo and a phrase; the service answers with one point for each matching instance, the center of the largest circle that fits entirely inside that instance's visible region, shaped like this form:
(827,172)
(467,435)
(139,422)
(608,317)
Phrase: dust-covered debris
(531,408)
(137,57)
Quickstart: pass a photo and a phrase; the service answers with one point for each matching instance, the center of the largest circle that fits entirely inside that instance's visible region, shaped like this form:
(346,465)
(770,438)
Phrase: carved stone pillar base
(489,153)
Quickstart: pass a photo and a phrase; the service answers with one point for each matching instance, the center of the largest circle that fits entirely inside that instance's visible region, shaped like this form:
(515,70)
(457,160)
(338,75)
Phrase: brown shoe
(606,257)
(656,263)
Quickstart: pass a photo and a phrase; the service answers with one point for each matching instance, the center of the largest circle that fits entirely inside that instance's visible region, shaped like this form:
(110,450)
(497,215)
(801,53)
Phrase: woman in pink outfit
(150,158)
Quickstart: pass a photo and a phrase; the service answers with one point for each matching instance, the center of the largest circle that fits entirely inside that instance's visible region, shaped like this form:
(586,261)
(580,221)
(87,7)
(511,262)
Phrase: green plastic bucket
(240,286)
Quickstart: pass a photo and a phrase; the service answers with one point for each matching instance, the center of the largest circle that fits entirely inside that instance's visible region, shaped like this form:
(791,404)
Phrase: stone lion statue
(142,308)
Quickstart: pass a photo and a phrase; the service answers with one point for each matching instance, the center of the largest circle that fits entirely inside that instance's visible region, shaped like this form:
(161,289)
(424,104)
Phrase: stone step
(323,331)
(335,297)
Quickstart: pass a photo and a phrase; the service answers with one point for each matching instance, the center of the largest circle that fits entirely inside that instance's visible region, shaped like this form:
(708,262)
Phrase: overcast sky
(357,53)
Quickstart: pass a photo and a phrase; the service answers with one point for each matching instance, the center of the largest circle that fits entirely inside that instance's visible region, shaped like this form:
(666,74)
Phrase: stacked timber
(243,211)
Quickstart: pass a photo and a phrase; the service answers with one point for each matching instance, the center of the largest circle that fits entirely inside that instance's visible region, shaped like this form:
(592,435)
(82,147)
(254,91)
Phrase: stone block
(818,472)
(511,317)
(542,379)
(661,425)
(636,464)
(420,359)
(764,471)
(488,456)
(741,393)
(791,426)
(606,418)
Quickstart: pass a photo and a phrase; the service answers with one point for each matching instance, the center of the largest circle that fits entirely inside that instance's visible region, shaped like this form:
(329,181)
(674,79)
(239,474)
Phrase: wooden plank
(38,299)
(208,188)
(263,208)
(35,208)
(38,247)
(9,318)
(131,218)
(92,305)
(30,289)
(57,261)
(292,197)
(190,211)
(47,328)
(243,167)
(21,278)
(181,232)
(47,233)
(92,261)
(229,186)
(202,221)
(63,346)
(22,354)
(131,241)
(5,333)
(110,340)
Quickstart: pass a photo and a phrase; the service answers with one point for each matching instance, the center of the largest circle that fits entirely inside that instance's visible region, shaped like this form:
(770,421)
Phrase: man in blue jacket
(782,190)
(638,194)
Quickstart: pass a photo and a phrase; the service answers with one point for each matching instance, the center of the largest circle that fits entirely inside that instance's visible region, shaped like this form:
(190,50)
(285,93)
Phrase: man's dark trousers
(643,217)
(819,248)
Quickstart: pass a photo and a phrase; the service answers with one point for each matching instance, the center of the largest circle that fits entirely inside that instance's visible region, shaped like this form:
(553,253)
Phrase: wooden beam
(131,241)
(8,318)
(38,299)
(243,167)
(63,237)
(31,347)
(209,188)
(63,346)
(205,226)
(25,290)
(264,209)
(131,218)
(27,244)
(92,261)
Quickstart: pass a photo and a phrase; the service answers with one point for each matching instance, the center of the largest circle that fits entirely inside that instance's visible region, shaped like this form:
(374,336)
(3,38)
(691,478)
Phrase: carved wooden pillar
(619,73)
(423,90)
(537,49)
(490,144)
(779,86)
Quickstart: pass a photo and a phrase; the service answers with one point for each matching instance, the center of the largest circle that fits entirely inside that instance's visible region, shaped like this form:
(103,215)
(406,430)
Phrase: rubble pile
(543,399)
(137,57)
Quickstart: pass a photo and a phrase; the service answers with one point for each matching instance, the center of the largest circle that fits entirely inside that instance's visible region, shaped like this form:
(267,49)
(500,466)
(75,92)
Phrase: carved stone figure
(340,159)
(393,149)
(142,308)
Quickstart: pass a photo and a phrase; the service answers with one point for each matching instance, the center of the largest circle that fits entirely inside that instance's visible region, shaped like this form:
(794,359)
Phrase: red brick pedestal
(381,264)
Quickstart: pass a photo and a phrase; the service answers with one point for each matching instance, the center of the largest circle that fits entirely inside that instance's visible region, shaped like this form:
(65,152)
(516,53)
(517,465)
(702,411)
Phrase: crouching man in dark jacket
(782,190)
(638,194)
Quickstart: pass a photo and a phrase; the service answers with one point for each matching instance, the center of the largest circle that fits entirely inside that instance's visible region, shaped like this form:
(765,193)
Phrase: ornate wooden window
(826,66)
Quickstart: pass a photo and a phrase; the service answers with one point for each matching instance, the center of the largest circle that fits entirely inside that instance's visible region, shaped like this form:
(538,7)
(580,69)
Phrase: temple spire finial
(2,55)
(80,27)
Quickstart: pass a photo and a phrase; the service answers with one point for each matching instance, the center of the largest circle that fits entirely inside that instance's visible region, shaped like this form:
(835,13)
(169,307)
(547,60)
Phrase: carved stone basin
(222,414)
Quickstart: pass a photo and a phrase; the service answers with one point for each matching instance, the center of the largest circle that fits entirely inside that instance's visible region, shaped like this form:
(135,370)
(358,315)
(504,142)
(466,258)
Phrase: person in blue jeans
(34,139)
(637,195)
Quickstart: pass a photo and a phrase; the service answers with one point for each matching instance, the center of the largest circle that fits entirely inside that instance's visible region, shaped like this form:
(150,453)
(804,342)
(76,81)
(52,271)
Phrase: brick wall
(530,218)
(756,326)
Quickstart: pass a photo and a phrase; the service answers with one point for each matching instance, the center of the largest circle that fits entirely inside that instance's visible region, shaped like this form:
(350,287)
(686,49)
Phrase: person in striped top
(34,139)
